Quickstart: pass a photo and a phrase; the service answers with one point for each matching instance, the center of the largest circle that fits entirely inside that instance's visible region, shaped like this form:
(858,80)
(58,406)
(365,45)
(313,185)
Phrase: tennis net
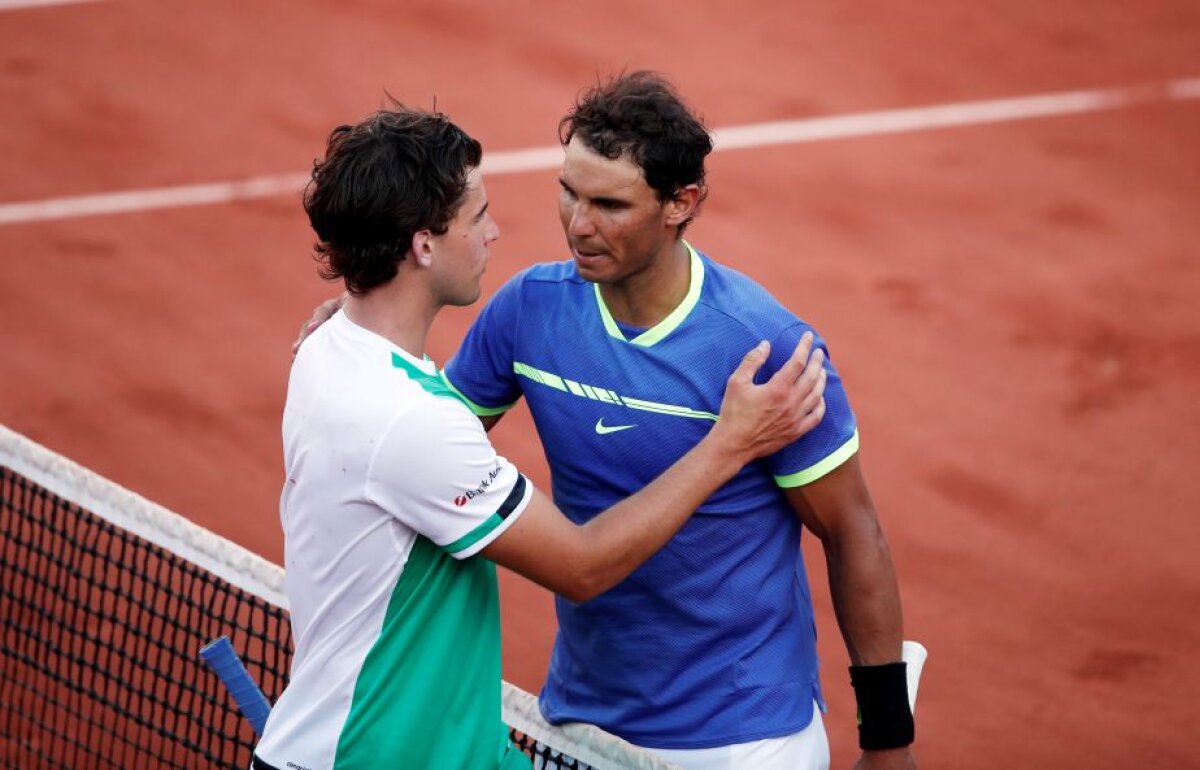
(105,602)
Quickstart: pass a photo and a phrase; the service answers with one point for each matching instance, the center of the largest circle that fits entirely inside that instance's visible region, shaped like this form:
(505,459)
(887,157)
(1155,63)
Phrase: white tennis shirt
(391,487)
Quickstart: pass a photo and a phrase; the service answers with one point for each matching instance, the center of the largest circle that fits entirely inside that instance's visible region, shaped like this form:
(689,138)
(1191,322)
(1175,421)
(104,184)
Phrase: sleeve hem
(495,525)
(825,466)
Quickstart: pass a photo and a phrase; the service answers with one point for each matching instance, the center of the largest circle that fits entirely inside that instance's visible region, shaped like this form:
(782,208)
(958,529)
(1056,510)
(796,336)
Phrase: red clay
(1013,307)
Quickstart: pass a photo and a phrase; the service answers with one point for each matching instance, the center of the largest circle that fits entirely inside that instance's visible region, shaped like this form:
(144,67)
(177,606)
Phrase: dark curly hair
(396,173)
(641,116)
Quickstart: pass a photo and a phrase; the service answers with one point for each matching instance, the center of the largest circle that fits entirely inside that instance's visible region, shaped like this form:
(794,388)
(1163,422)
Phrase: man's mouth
(587,254)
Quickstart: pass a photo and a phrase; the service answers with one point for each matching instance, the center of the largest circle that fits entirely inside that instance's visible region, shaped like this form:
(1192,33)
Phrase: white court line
(731,138)
(16,5)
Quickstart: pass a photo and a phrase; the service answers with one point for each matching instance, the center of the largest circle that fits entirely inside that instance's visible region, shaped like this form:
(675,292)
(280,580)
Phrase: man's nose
(581,222)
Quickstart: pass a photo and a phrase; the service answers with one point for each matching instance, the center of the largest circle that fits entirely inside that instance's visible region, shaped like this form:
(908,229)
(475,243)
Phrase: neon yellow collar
(673,319)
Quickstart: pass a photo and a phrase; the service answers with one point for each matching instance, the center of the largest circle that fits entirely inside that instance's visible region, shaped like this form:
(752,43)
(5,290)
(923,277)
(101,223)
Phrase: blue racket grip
(221,658)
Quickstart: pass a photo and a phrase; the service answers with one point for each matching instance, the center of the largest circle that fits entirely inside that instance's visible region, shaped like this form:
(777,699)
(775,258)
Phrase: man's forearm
(867,601)
(866,598)
(837,508)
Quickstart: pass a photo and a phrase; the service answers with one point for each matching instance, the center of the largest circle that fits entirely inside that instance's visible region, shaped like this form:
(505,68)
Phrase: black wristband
(884,719)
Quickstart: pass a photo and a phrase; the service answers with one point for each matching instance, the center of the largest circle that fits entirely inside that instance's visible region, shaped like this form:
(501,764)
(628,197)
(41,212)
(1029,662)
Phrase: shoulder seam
(794,321)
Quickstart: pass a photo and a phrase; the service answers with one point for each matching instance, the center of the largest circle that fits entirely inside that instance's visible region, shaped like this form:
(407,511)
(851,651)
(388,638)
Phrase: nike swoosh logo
(603,429)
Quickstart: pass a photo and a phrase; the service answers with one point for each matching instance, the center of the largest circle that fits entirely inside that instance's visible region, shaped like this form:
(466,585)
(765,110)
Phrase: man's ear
(423,247)
(682,206)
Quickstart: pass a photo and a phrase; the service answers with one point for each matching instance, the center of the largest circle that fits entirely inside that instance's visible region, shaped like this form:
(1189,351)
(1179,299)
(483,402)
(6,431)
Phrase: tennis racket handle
(221,658)
(914,654)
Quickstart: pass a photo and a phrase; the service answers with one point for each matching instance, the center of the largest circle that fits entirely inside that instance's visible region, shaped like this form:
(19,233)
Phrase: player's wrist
(724,453)
(885,719)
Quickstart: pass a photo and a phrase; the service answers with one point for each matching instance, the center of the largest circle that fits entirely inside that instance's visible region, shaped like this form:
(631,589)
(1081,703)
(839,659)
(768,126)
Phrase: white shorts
(805,750)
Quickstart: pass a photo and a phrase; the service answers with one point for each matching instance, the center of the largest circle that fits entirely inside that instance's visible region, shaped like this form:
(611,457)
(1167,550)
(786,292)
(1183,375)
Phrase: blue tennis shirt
(711,641)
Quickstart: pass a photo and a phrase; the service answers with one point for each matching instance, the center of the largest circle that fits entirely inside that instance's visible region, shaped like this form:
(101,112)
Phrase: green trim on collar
(433,384)
(667,325)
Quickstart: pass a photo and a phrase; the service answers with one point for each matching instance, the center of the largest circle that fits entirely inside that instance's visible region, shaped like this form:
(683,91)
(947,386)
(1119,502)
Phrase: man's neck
(399,314)
(644,299)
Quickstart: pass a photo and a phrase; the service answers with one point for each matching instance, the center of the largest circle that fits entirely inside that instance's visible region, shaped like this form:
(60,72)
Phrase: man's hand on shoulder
(887,759)
(321,313)
(757,420)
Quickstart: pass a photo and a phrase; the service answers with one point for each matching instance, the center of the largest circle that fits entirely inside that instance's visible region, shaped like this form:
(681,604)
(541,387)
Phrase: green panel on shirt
(428,694)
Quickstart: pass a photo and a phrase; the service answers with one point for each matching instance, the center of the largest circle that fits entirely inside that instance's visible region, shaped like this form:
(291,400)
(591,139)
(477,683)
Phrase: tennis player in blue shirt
(707,652)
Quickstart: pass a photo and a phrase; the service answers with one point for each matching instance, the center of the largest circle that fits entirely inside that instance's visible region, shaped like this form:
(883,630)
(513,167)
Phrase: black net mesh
(100,632)
(99,640)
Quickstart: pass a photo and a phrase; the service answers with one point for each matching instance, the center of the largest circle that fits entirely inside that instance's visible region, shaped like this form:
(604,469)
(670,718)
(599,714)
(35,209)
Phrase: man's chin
(465,299)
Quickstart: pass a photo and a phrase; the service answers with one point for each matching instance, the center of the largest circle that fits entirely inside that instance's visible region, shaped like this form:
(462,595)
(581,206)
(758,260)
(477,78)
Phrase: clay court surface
(1013,305)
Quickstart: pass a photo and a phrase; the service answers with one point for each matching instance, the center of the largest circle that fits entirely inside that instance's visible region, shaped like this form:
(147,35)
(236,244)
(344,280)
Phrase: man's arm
(581,562)
(837,508)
